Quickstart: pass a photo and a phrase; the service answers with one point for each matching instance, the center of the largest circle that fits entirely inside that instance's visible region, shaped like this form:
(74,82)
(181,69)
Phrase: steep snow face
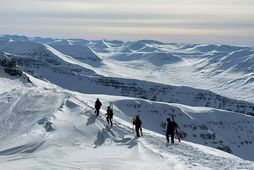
(230,62)
(81,53)
(39,59)
(26,49)
(220,129)
(54,129)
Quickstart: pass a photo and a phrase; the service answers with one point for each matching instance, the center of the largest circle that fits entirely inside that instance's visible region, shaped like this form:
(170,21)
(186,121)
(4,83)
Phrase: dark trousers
(172,134)
(109,120)
(137,131)
(97,111)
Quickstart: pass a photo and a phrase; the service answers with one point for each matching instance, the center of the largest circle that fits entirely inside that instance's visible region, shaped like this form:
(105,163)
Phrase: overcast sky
(198,21)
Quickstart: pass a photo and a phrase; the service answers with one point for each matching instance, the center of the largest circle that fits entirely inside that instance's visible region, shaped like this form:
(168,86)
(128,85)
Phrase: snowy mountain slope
(166,93)
(14,38)
(228,67)
(142,89)
(30,55)
(224,69)
(79,140)
(230,62)
(81,53)
(100,46)
(156,58)
(67,72)
(228,131)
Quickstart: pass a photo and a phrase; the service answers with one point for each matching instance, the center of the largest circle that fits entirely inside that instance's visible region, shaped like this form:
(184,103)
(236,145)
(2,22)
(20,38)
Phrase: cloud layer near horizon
(217,21)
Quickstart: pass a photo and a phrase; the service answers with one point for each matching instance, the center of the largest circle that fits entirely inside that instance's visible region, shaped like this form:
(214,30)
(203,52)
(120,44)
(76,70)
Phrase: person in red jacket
(137,122)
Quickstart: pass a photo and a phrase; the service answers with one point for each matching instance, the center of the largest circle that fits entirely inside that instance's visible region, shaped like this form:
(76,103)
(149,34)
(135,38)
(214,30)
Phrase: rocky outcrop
(10,67)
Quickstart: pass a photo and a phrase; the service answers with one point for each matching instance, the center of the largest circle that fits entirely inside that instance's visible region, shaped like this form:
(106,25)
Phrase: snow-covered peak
(82,53)
(15,37)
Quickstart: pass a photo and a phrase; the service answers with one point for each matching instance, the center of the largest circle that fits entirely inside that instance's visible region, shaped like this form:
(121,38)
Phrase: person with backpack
(109,115)
(97,106)
(171,127)
(137,122)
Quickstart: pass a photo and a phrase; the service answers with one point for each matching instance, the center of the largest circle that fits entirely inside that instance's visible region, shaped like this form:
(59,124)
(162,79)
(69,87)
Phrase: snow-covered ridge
(78,135)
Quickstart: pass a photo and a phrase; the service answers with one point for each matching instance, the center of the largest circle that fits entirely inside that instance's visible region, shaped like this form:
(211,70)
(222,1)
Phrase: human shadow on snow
(108,133)
(91,120)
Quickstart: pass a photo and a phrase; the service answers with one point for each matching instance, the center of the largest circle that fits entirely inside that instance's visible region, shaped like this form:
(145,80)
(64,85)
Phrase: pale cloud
(200,20)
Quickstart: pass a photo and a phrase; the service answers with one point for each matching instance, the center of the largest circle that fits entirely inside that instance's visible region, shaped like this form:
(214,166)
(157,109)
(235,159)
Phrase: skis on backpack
(111,105)
(176,131)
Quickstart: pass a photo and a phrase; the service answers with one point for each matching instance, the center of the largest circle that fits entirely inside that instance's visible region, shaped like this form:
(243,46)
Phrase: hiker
(171,130)
(109,115)
(97,106)
(137,122)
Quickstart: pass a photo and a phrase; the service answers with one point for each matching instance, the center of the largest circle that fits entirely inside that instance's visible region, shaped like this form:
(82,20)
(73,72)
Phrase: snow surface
(80,140)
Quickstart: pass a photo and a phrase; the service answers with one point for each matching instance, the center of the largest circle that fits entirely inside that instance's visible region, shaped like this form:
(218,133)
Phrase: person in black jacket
(171,130)
(109,115)
(137,122)
(97,106)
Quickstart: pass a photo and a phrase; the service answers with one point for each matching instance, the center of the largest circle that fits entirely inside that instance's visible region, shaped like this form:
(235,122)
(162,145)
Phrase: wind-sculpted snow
(24,108)
(80,140)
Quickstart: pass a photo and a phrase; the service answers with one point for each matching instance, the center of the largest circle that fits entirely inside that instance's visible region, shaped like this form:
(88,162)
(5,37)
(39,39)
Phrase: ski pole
(133,125)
